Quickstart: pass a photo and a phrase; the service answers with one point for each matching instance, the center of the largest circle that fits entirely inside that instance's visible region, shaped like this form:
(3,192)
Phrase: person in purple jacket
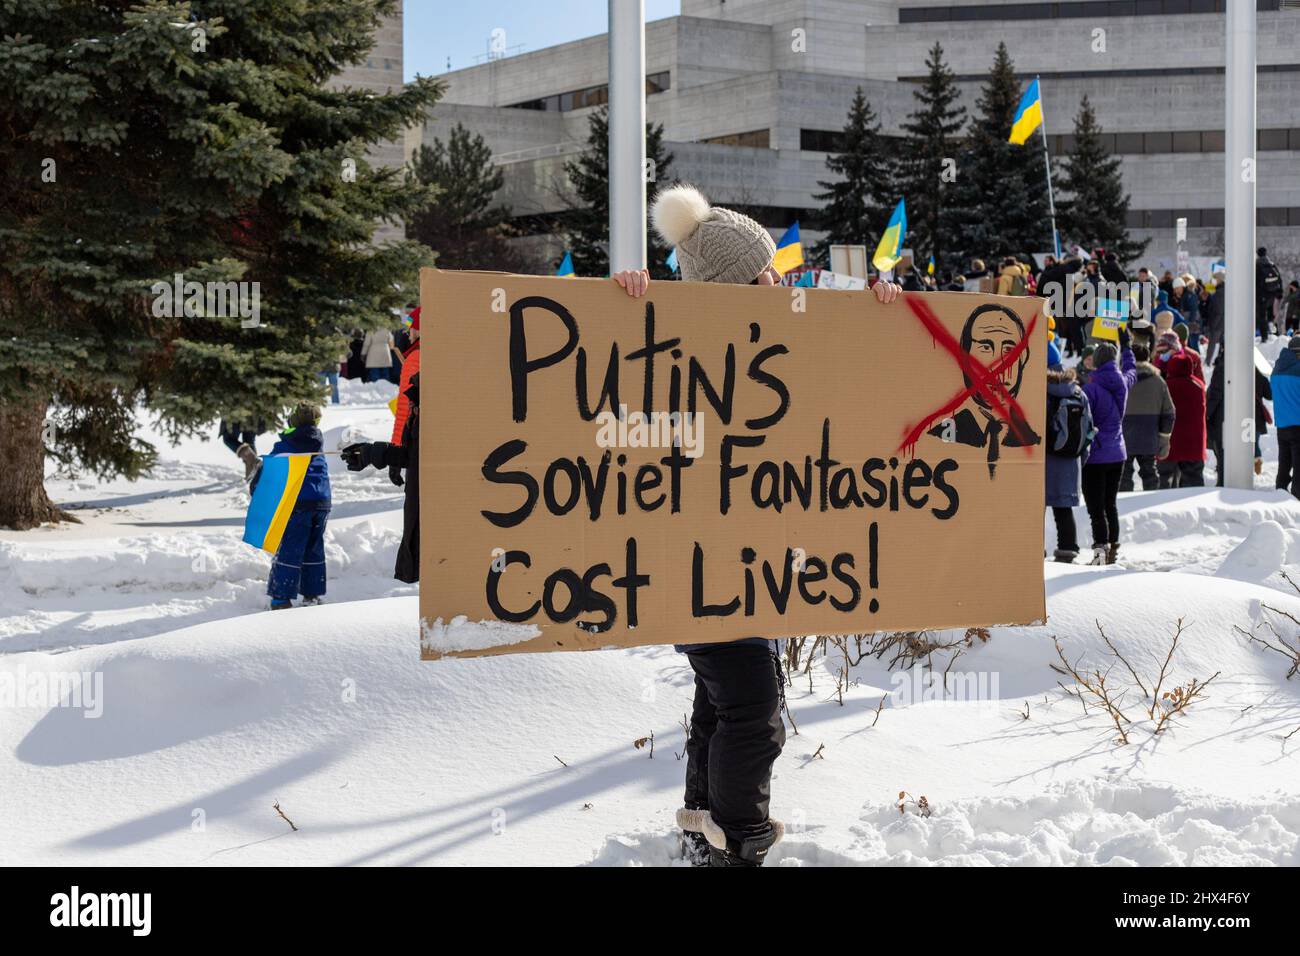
(1107,390)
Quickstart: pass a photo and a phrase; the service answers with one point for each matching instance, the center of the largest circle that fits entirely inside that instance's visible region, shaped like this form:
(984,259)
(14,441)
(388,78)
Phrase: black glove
(1124,337)
(395,474)
(365,455)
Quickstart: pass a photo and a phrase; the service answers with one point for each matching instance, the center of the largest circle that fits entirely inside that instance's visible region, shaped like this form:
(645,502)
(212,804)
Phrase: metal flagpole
(1047,166)
(1237,466)
(627,172)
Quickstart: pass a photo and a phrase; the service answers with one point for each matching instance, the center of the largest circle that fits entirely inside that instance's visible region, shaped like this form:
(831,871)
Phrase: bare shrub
(1093,685)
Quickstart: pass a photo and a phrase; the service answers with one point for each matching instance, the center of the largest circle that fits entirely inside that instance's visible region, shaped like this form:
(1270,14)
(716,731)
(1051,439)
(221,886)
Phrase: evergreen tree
(932,131)
(857,204)
(463,227)
(1093,210)
(585,226)
(1000,197)
(149,139)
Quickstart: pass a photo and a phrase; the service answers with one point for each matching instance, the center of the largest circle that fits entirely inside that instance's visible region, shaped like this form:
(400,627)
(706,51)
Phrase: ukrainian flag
(930,266)
(566,267)
(789,251)
(1029,115)
(273,499)
(890,249)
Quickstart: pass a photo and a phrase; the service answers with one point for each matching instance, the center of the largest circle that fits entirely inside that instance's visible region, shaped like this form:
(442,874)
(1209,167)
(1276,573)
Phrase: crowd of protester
(1147,392)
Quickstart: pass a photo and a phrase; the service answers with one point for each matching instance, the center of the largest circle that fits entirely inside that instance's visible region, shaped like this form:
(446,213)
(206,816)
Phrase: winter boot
(1098,554)
(281,605)
(249,457)
(1112,552)
(309,601)
(695,848)
(1259,466)
(727,852)
(1062,556)
(749,852)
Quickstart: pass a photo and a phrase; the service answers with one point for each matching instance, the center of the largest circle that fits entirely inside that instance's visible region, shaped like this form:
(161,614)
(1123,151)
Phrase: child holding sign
(736,726)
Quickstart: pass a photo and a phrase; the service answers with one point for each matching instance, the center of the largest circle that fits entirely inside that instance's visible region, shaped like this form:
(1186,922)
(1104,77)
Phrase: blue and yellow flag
(273,499)
(566,267)
(890,249)
(789,251)
(1029,115)
(930,266)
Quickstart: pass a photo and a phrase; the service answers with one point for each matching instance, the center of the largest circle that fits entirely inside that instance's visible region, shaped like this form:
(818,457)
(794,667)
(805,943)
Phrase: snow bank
(112,589)
(529,759)
(1265,552)
(353,391)
(1079,823)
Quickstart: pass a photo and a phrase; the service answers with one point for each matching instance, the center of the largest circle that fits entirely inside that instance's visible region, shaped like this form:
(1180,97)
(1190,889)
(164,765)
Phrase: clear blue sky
(460,29)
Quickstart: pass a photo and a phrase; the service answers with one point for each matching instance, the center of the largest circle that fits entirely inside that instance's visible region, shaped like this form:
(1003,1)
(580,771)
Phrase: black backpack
(1069,425)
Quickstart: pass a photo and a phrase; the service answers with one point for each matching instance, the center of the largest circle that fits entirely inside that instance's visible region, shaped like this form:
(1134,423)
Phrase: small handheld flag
(890,249)
(671,261)
(1029,115)
(566,267)
(789,251)
(929,268)
(273,499)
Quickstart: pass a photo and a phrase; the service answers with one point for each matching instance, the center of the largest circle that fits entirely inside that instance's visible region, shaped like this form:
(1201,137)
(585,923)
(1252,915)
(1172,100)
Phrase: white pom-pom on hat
(678,212)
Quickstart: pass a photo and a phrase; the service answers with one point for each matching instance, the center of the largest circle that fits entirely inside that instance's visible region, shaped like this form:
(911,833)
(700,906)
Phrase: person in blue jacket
(1285,381)
(299,565)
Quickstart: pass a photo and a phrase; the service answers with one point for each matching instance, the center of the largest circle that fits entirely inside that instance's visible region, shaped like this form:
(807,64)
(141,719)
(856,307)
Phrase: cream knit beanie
(713,244)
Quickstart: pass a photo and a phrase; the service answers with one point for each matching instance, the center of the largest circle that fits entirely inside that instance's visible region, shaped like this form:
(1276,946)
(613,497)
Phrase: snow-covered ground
(199,711)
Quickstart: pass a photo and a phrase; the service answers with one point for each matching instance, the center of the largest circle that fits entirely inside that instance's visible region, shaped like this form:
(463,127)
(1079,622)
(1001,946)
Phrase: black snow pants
(736,735)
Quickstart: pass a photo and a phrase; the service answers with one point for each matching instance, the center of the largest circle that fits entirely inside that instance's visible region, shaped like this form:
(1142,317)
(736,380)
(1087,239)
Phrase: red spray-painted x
(985,380)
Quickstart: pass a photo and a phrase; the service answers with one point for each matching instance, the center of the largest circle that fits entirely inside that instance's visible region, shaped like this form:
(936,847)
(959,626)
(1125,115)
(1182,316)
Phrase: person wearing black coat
(397,459)
(1053,284)
(1213,315)
(1111,270)
(1214,415)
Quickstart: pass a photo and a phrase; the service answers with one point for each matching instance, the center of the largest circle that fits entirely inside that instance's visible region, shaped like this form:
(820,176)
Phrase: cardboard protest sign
(712,462)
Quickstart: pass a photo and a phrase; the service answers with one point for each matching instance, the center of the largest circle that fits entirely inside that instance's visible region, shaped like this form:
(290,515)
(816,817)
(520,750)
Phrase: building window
(821,140)
(1156,142)
(1077,9)
(758,138)
(1273,216)
(588,96)
(1272,138)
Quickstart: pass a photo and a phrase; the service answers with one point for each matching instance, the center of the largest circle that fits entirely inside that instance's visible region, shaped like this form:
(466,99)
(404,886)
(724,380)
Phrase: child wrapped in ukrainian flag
(287,517)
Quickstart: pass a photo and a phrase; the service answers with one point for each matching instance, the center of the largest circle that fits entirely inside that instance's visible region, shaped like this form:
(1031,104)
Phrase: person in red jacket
(1184,466)
(410,367)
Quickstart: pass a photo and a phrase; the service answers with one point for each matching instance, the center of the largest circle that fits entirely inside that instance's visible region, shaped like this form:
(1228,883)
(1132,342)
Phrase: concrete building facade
(381,72)
(752,93)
